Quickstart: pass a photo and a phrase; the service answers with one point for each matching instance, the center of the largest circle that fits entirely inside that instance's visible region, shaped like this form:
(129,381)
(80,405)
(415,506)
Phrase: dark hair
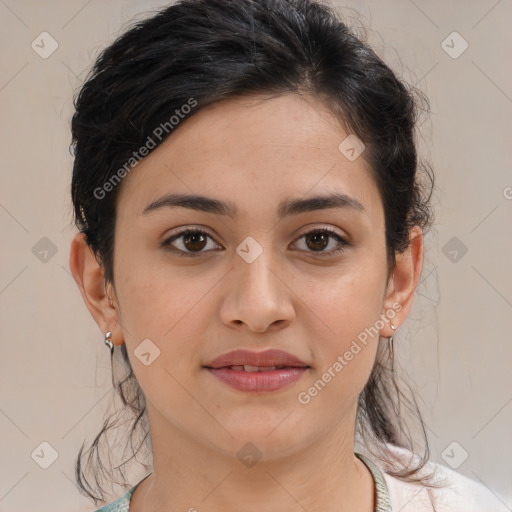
(198,52)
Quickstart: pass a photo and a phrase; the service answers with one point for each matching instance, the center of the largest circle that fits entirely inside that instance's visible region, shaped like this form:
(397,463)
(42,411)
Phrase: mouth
(257,372)
(253,369)
(261,380)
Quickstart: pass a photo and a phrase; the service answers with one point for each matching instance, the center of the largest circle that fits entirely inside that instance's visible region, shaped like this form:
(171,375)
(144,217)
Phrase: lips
(257,372)
(249,361)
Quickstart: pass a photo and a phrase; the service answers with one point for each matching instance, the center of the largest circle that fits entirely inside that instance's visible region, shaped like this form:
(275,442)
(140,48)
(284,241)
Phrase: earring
(390,345)
(108,341)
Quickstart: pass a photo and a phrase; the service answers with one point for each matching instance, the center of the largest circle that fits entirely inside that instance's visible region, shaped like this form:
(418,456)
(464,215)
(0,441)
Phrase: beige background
(54,369)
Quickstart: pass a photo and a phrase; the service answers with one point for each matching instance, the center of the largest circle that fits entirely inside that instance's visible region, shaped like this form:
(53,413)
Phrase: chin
(273,437)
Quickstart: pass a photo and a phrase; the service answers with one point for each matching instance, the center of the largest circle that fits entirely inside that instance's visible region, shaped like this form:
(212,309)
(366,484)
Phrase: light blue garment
(123,503)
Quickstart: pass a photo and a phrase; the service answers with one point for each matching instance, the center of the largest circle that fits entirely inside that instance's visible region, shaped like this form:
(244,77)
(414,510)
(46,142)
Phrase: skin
(255,152)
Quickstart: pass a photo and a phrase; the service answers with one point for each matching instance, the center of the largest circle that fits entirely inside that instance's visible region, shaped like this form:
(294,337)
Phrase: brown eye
(318,239)
(192,242)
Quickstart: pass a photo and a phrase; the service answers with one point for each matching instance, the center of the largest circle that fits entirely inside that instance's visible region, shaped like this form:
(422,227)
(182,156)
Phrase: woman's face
(263,277)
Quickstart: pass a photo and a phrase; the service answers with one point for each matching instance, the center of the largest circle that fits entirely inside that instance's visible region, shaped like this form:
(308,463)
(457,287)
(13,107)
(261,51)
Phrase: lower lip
(258,381)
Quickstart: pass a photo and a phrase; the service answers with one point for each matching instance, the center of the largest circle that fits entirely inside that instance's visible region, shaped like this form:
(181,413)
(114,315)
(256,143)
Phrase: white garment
(459,494)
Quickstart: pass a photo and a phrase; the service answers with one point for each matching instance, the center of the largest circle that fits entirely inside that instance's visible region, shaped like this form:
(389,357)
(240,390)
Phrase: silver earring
(108,341)
(390,345)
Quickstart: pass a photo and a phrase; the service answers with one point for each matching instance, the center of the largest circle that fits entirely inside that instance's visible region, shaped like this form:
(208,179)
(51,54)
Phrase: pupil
(318,236)
(194,237)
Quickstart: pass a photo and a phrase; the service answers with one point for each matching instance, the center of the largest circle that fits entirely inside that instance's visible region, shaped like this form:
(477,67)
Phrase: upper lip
(270,357)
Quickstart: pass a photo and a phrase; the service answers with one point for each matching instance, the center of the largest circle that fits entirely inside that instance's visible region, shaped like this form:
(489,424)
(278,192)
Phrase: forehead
(252,151)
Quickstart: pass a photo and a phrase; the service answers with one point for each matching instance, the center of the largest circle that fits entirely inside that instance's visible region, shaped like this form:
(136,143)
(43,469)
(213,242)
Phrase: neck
(322,476)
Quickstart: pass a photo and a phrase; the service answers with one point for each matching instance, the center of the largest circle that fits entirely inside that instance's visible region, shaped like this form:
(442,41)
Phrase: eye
(192,242)
(318,240)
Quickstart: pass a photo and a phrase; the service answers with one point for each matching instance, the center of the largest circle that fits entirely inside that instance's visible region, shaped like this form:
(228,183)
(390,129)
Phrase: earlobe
(89,277)
(404,280)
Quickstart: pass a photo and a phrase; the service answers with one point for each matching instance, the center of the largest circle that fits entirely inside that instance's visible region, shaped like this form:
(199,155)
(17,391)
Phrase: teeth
(249,368)
(253,369)
(267,368)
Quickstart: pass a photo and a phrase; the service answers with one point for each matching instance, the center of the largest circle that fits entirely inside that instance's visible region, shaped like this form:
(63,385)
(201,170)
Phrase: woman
(251,217)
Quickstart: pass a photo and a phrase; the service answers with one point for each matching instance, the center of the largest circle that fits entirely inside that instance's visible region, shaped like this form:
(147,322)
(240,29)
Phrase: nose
(258,295)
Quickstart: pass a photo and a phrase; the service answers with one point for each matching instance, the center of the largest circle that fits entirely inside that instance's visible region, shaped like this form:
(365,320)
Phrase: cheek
(168,313)
(350,302)
(350,310)
(165,307)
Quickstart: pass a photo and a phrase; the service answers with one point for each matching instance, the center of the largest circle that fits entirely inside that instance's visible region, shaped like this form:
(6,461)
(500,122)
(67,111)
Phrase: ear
(403,281)
(89,276)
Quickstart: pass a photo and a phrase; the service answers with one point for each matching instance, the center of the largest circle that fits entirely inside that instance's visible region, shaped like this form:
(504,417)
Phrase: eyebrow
(227,208)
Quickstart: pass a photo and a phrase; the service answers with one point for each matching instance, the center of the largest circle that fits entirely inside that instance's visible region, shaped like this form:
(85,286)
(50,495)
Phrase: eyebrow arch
(285,208)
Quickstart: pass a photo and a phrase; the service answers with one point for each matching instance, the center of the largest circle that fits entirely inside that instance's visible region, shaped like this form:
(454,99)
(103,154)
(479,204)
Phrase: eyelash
(343,243)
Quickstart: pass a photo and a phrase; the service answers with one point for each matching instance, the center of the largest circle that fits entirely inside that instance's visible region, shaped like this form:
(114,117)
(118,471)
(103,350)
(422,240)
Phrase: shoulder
(122,504)
(453,492)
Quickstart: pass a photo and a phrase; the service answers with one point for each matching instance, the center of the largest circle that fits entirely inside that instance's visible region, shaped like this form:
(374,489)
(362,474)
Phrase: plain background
(54,368)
